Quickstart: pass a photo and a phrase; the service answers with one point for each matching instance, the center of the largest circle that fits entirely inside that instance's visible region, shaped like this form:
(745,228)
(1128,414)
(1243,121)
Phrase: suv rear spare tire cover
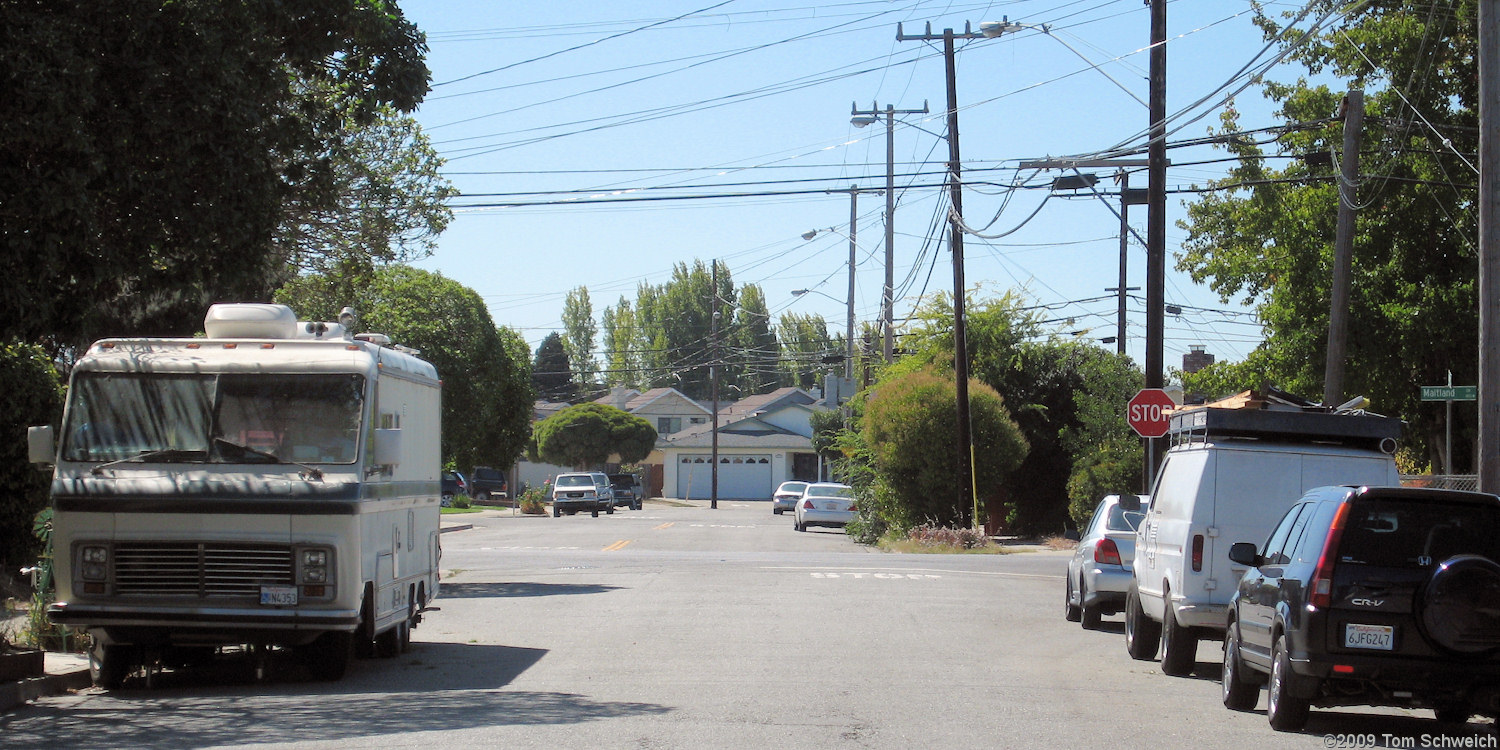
(1459,608)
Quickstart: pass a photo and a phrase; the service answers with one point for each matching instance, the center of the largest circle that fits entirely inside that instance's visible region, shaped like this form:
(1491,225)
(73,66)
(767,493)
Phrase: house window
(697,420)
(668,425)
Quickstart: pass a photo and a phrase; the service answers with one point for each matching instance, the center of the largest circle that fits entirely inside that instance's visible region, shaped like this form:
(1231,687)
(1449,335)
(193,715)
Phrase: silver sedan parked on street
(824,504)
(1099,574)
(786,496)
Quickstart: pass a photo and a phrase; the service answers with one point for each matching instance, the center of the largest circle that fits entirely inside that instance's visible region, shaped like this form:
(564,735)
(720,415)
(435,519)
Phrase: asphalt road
(684,627)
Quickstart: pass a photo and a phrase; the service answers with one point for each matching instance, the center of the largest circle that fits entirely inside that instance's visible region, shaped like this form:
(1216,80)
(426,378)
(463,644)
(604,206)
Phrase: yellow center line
(617,546)
(665,525)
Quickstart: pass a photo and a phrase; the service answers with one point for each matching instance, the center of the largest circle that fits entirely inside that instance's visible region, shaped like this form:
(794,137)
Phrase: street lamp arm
(800,292)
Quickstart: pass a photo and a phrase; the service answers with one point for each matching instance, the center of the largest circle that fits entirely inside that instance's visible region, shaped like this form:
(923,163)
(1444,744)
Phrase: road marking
(724,526)
(665,525)
(920,570)
(617,546)
(881,576)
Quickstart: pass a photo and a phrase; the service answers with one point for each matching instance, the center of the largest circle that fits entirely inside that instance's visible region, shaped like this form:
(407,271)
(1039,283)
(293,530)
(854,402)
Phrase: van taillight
(1197,553)
(1107,552)
(1322,578)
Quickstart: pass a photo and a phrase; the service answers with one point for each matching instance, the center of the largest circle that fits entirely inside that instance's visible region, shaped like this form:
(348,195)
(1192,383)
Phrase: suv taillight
(1322,578)
(1197,553)
(1107,552)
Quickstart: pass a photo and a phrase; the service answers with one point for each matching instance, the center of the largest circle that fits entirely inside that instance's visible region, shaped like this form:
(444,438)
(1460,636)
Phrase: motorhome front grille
(202,570)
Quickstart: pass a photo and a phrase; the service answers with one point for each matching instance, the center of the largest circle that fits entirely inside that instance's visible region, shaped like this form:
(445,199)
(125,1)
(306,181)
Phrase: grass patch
(933,540)
(456,511)
(1058,543)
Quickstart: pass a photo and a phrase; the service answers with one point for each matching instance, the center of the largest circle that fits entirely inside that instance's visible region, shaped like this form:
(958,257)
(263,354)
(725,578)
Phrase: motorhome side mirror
(1129,502)
(1244,553)
(387,447)
(41,446)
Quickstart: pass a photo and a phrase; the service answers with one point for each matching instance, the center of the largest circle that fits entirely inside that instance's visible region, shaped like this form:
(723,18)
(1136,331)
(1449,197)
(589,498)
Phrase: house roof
(769,401)
(745,433)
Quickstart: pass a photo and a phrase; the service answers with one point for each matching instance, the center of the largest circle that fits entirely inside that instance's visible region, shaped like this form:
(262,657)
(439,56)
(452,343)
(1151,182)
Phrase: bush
(30,394)
(461,502)
(534,500)
(941,536)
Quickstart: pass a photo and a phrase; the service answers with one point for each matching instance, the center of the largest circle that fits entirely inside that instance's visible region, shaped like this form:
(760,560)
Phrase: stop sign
(1147,412)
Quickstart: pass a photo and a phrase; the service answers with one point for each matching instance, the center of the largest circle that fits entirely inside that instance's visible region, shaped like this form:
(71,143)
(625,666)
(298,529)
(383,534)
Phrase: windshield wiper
(167,455)
(311,473)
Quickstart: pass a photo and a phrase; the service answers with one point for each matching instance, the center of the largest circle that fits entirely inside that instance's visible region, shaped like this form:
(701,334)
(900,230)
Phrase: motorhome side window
(228,418)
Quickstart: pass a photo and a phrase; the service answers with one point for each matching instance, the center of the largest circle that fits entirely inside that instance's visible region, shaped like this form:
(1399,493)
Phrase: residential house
(763,440)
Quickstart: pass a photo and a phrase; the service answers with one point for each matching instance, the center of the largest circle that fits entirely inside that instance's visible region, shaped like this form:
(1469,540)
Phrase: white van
(1229,476)
(275,483)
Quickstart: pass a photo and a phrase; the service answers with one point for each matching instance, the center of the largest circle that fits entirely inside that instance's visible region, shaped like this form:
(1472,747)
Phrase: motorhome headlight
(96,554)
(313,565)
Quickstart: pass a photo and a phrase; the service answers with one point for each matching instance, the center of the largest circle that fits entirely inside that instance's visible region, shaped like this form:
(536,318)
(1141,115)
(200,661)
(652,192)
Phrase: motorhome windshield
(226,418)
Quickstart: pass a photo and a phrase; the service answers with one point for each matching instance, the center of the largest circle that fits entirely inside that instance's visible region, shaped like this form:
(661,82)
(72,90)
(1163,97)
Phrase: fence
(1442,481)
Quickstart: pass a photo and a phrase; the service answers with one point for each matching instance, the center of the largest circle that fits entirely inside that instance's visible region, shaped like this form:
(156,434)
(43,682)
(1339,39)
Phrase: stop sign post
(1147,412)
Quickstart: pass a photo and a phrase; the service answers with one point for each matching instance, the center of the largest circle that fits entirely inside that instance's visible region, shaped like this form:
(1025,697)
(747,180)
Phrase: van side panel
(1158,554)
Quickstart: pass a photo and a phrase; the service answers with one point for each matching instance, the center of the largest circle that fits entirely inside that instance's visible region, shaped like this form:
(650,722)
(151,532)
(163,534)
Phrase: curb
(14,694)
(458,527)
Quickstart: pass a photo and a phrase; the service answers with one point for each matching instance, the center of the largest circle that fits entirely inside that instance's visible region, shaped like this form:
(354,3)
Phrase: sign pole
(1448,425)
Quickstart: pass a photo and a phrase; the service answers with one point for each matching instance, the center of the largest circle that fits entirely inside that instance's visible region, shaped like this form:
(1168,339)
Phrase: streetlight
(863,119)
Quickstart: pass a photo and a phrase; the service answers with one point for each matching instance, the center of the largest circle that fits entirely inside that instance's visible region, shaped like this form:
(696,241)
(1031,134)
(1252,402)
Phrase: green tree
(30,394)
(621,345)
(148,149)
(1265,235)
(905,423)
(753,350)
(385,203)
(588,435)
(487,393)
(551,374)
(804,343)
(676,322)
(578,322)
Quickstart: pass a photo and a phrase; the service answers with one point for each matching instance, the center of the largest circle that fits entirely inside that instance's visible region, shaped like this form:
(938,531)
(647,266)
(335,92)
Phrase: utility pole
(713,379)
(1489,254)
(1156,219)
(887,298)
(1353,112)
(965,443)
(853,191)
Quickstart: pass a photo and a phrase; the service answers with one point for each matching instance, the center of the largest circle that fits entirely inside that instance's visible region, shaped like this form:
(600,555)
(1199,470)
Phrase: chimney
(1196,358)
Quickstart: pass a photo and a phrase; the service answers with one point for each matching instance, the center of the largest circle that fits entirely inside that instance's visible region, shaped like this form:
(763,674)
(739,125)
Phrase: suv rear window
(1411,535)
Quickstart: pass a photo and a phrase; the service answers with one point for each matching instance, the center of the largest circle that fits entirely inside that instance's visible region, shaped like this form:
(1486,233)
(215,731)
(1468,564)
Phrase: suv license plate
(278,596)
(1378,637)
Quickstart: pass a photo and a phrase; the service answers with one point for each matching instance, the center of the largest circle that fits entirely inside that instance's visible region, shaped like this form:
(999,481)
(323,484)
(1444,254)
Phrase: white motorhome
(275,483)
(1229,476)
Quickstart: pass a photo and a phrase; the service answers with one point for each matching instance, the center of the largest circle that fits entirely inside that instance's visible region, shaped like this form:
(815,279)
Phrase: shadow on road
(436,686)
(518,589)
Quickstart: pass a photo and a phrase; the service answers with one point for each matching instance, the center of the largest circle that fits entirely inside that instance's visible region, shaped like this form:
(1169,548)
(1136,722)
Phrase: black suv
(488,485)
(627,490)
(1379,596)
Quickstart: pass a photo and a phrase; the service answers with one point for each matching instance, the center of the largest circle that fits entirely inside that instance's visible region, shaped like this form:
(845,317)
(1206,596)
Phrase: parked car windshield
(792,487)
(1123,520)
(575,480)
(228,418)
(828,490)
(1408,535)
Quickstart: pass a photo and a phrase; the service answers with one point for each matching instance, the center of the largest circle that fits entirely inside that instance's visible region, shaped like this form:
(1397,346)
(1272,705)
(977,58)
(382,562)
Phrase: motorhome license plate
(1378,637)
(278,596)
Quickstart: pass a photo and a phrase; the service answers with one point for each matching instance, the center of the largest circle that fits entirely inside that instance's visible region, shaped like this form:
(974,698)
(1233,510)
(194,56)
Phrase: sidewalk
(63,672)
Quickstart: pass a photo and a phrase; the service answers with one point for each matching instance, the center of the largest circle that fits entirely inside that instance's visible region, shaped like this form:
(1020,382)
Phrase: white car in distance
(824,504)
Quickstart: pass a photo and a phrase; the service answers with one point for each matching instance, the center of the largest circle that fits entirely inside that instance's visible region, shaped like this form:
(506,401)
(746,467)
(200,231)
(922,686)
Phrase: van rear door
(1254,490)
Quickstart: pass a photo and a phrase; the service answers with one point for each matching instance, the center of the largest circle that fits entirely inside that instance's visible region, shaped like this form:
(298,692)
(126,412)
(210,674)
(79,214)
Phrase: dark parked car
(488,485)
(628,490)
(453,485)
(1380,596)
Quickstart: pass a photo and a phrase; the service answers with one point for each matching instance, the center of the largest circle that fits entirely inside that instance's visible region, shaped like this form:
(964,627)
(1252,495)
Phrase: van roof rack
(1283,417)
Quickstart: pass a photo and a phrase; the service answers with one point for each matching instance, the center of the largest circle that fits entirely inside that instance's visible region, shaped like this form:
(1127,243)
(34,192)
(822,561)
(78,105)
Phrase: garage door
(744,477)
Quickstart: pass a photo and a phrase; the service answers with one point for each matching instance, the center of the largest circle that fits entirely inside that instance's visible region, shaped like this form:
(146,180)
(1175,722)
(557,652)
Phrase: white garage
(740,476)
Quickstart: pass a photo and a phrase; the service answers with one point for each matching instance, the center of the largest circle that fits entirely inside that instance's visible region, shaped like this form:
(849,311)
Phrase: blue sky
(572,103)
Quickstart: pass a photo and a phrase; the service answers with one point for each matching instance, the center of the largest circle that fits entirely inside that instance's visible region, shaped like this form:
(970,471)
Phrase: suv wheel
(1142,634)
(1235,687)
(1287,712)
(1179,650)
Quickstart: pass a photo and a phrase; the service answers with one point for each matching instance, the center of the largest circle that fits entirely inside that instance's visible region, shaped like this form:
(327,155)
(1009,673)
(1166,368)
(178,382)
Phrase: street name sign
(1450,393)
